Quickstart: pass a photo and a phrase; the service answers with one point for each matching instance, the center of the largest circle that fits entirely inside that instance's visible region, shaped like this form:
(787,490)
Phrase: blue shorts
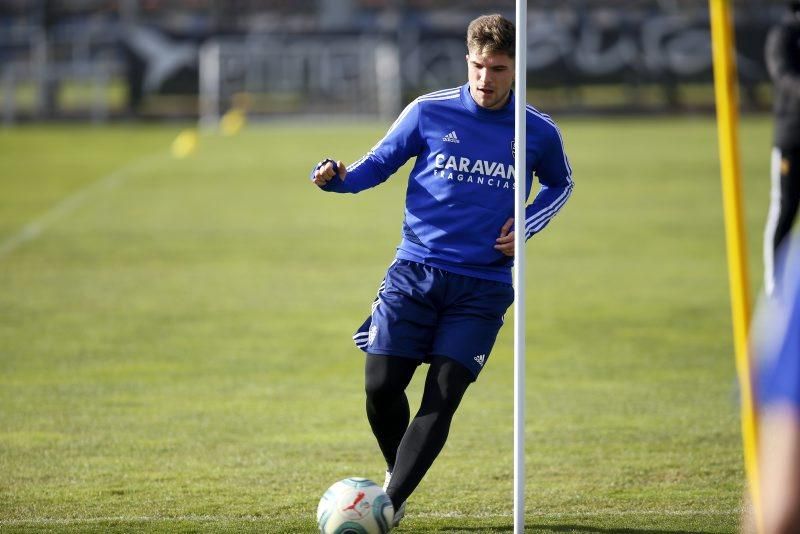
(422,311)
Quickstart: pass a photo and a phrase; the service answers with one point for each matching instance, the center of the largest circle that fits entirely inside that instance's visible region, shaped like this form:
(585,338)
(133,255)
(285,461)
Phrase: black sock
(425,437)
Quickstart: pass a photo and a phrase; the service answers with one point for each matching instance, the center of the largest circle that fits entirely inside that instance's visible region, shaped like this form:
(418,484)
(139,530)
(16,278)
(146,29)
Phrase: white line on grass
(588,513)
(422,515)
(35,228)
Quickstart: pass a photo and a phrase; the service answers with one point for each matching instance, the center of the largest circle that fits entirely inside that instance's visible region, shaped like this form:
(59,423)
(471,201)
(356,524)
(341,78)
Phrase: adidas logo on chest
(451,138)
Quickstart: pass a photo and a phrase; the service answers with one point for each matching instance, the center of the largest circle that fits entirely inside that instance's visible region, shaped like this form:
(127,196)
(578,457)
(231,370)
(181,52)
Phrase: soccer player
(777,342)
(443,299)
(783,63)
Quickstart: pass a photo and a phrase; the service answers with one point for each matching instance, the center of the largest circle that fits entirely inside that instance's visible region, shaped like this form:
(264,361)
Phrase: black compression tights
(410,449)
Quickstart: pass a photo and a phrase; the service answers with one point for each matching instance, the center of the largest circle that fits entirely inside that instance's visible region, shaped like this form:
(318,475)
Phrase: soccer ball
(355,506)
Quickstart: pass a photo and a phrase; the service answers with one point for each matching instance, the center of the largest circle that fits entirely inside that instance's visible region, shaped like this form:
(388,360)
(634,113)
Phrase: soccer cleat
(398,515)
(400,512)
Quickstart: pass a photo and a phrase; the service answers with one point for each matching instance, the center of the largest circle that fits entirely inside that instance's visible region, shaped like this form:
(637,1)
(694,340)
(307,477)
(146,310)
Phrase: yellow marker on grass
(232,122)
(185,143)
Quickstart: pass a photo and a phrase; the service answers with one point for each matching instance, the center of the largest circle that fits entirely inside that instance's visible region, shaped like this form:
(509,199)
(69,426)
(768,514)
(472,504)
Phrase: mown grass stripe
(69,204)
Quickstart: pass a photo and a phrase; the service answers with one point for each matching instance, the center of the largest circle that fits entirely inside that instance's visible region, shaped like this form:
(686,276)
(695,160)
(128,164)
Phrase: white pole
(519,265)
(210,80)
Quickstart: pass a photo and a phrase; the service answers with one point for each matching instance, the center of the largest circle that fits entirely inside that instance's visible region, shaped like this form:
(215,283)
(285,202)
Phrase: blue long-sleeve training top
(461,189)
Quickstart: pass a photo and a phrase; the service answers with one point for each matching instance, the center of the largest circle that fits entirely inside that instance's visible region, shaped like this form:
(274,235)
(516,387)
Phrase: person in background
(783,63)
(776,336)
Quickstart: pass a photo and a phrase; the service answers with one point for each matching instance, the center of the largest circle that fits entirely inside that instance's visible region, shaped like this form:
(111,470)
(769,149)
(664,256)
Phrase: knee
(451,382)
(380,390)
(450,399)
(441,401)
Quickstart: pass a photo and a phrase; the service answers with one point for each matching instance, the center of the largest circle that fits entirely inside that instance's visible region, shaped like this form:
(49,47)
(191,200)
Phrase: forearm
(545,206)
(363,174)
(780,461)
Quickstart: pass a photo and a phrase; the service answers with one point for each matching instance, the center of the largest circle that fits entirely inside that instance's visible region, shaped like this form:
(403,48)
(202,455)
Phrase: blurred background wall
(105,60)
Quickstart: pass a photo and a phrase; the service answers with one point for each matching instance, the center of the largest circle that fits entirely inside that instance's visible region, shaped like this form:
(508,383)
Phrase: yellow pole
(725,87)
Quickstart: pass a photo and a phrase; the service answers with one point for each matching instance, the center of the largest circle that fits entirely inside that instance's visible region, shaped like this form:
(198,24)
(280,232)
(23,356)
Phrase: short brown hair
(491,34)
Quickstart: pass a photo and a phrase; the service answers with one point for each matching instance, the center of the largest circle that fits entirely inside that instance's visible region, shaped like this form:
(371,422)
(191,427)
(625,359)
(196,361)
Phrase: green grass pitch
(175,350)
